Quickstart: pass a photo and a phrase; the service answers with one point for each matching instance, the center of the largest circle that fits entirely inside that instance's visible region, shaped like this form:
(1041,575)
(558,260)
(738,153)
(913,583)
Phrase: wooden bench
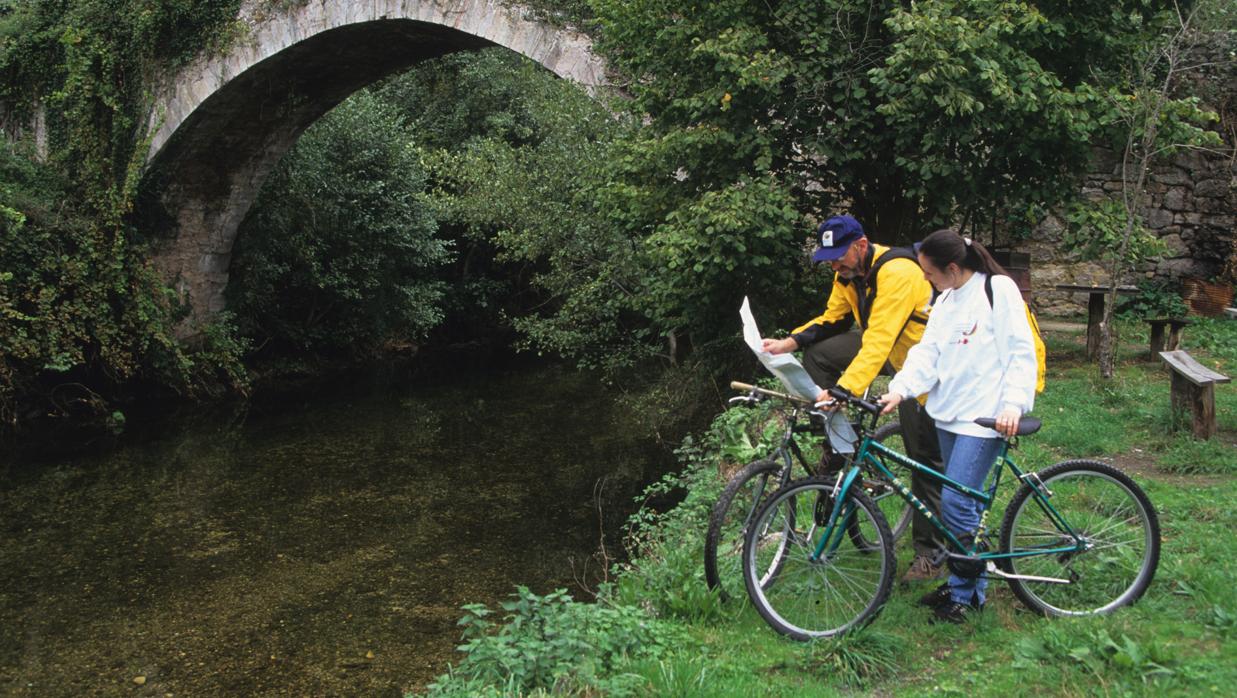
(1173,341)
(1193,393)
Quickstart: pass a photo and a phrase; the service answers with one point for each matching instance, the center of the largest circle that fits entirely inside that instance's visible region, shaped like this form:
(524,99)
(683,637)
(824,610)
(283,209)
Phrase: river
(315,546)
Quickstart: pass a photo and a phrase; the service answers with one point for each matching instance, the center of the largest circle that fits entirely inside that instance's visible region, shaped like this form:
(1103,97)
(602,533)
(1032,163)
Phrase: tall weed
(552,643)
(855,660)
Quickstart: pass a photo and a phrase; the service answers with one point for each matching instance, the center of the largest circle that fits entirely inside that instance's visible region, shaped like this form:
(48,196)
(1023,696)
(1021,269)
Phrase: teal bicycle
(1078,538)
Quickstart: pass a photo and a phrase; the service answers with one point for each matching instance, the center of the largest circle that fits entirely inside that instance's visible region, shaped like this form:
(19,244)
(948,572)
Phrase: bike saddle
(1026,425)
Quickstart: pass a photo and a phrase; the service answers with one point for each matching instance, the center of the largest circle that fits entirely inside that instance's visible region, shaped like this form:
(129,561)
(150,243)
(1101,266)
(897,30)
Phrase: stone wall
(1192,208)
(1192,203)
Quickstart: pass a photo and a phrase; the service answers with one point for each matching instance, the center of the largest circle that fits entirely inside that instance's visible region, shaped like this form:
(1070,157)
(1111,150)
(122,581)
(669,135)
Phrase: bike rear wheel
(735,508)
(1109,513)
(806,598)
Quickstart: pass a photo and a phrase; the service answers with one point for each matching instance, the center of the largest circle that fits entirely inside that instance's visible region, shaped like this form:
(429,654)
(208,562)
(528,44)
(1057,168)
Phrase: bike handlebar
(839,394)
(836,393)
(769,393)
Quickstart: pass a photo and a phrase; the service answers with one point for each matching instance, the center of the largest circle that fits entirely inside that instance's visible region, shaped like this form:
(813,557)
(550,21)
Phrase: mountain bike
(1078,538)
(735,508)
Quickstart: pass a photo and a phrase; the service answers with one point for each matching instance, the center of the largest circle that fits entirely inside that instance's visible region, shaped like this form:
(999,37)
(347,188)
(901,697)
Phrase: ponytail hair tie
(968,241)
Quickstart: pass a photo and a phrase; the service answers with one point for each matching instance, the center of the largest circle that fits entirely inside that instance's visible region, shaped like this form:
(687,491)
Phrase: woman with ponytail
(976,359)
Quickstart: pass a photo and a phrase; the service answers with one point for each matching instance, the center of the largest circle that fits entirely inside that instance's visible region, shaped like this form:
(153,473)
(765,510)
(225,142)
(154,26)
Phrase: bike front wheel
(805,596)
(1109,515)
(734,510)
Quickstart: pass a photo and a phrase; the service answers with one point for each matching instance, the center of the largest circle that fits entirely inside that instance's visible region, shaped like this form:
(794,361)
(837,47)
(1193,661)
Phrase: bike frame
(873,455)
(789,449)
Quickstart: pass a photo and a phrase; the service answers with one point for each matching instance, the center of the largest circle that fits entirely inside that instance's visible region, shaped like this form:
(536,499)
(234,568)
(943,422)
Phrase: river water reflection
(322,550)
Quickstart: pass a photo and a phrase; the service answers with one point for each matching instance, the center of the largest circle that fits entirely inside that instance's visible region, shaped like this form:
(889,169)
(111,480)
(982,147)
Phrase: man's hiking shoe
(954,612)
(922,570)
(936,598)
(830,464)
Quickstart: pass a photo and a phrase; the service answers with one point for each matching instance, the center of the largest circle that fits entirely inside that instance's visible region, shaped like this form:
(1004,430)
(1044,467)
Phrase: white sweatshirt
(975,359)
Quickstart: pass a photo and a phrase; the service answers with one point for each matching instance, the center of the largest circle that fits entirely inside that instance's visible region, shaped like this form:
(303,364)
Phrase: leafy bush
(83,310)
(664,571)
(519,162)
(552,643)
(339,252)
(1216,336)
(1155,298)
(84,315)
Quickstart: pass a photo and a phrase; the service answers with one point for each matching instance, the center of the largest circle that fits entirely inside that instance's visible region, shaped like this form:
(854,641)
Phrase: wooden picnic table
(1096,297)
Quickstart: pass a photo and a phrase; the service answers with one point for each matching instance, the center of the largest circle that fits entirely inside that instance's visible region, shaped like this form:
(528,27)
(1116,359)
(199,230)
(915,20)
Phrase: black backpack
(867,290)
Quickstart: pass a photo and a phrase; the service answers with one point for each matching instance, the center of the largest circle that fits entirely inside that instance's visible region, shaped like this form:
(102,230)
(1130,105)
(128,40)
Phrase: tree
(912,116)
(339,252)
(1153,122)
(516,158)
(761,118)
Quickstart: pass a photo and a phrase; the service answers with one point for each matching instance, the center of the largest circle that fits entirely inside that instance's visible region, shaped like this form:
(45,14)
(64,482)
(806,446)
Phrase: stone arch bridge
(222,123)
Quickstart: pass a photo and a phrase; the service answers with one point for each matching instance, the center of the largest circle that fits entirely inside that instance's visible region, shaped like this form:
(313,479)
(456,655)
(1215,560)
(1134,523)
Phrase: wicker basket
(1205,297)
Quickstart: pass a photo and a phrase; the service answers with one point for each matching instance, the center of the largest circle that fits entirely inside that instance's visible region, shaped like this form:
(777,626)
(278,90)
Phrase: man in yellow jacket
(876,312)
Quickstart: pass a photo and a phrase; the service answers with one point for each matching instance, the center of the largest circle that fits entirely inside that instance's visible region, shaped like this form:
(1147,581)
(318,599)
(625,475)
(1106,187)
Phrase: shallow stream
(321,547)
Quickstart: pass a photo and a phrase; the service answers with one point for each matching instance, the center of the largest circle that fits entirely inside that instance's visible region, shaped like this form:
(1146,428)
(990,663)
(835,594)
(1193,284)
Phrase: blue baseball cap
(835,236)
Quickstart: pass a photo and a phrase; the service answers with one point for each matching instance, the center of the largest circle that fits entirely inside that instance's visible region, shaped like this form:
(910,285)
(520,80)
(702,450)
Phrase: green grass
(1127,419)
(1178,640)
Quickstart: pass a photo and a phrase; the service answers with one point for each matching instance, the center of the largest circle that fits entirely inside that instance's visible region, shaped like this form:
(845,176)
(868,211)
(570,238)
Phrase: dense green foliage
(515,157)
(966,112)
(759,118)
(554,644)
(538,177)
(82,309)
(1155,299)
(609,232)
(84,313)
(339,253)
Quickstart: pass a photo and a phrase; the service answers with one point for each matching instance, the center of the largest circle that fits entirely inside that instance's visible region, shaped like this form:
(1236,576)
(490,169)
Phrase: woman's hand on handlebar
(889,402)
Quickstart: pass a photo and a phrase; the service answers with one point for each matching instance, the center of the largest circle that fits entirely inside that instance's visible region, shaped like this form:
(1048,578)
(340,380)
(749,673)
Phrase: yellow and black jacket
(891,305)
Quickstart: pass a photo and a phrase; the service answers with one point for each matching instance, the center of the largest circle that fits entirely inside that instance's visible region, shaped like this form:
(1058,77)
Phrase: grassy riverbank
(655,631)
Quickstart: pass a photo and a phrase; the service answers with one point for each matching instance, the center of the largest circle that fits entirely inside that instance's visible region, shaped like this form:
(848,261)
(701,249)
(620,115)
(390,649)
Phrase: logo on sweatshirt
(966,334)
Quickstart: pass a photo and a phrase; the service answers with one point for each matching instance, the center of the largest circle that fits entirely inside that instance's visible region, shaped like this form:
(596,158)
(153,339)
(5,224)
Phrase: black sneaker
(954,612)
(831,463)
(937,597)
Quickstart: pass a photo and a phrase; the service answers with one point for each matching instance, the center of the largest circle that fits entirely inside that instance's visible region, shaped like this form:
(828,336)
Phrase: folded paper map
(785,366)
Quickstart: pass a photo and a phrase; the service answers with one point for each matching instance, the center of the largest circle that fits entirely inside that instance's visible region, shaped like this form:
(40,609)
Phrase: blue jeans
(967,461)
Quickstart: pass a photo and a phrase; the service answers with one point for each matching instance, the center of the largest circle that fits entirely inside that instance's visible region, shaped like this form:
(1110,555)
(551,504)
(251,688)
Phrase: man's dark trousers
(825,362)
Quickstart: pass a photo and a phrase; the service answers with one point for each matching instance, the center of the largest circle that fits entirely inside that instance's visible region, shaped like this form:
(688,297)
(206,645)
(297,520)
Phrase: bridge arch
(219,125)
